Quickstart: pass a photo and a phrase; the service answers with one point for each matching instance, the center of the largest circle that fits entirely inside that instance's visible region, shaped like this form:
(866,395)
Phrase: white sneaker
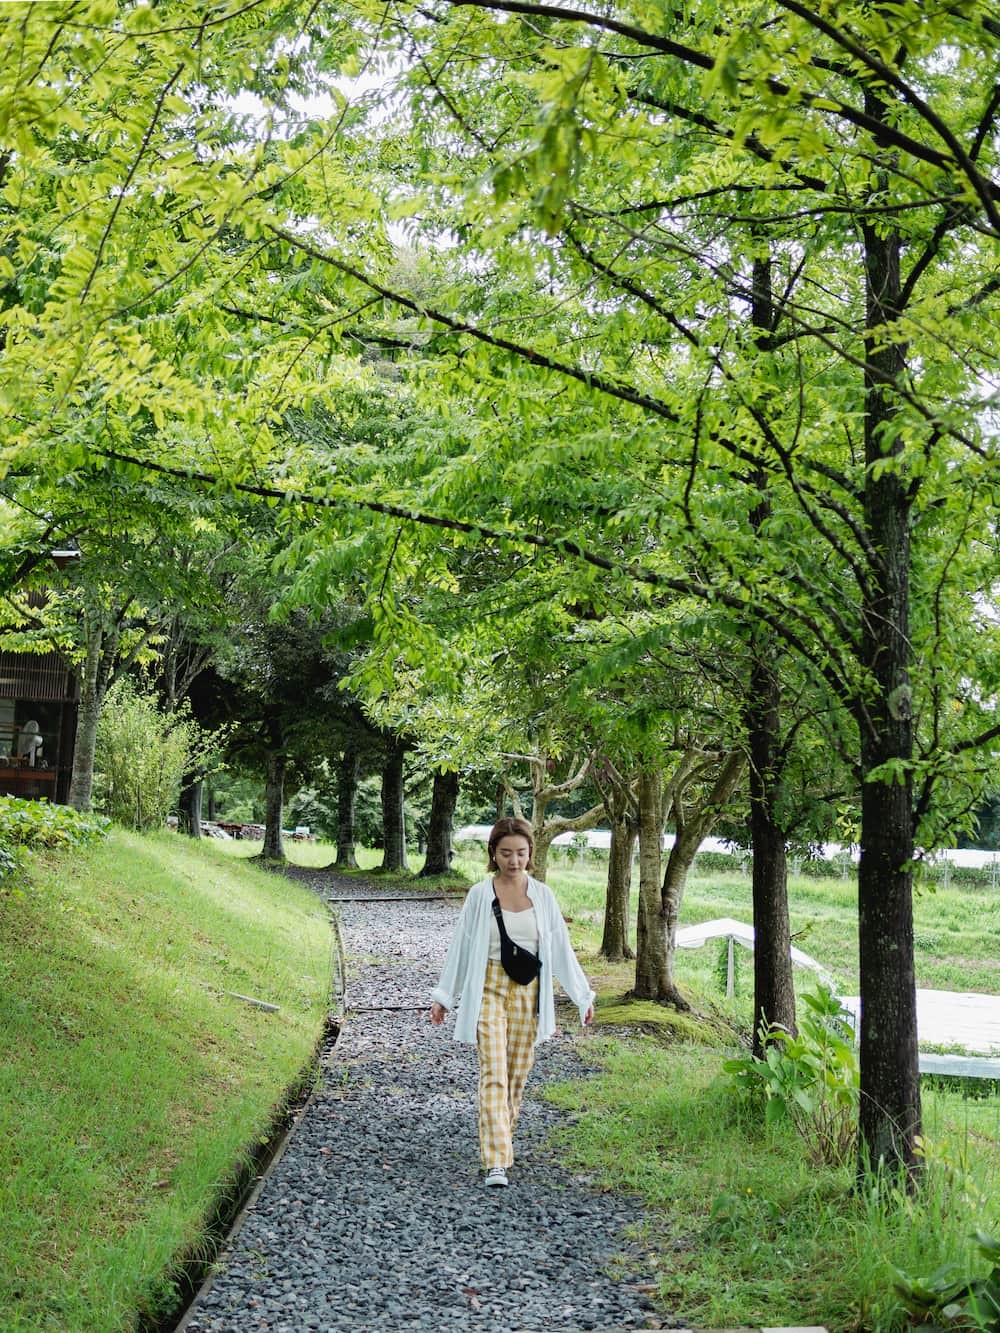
(497,1175)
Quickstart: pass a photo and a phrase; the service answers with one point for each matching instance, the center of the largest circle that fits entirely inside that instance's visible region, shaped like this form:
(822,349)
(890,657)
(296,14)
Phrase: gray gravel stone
(375,1218)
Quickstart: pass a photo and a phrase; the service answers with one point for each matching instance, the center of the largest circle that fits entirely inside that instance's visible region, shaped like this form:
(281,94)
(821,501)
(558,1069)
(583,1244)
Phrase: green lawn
(956,928)
(132,1083)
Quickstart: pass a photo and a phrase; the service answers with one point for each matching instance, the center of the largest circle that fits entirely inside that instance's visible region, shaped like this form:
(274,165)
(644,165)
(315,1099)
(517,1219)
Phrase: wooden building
(38,707)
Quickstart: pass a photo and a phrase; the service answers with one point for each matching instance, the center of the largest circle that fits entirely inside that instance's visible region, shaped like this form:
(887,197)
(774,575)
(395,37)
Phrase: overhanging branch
(565,546)
(886,135)
(589,378)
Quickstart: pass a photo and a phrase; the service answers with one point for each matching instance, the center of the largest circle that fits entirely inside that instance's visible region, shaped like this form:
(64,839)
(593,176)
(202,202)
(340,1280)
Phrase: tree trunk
(393,821)
(615,940)
(81,784)
(441,824)
(94,682)
(691,831)
(773,983)
(348,776)
(547,836)
(651,937)
(890,1116)
(274,800)
(546,832)
(679,862)
(543,792)
(190,805)
(540,856)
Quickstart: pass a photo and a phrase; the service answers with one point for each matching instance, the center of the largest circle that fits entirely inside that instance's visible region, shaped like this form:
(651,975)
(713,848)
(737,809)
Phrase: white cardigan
(464,973)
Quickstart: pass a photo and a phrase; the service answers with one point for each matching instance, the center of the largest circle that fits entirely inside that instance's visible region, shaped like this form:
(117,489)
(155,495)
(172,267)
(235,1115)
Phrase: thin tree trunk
(93,689)
(890,1116)
(190,805)
(774,988)
(615,939)
(543,792)
(348,776)
(691,831)
(274,800)
(393,821)
(441,824)
(679,862)
(773,981)
(81,784)
(651,936)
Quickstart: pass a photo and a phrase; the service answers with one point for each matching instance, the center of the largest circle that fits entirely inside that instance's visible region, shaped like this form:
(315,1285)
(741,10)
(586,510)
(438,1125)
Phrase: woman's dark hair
(506,828)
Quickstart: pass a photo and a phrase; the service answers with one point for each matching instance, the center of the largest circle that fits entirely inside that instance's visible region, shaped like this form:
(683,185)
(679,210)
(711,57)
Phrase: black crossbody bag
(519,964)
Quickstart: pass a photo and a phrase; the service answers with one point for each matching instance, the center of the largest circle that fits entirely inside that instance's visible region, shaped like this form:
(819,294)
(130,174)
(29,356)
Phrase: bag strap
(500,921)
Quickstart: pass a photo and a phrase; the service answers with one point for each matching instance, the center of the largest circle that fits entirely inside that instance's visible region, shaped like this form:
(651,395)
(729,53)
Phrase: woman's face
(512,854)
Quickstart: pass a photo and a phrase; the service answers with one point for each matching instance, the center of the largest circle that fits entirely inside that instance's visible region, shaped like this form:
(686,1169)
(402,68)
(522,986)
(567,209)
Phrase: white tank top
(521,927)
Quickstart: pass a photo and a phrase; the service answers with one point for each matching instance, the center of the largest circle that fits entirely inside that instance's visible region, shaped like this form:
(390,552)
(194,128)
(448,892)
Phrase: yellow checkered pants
(508,1022)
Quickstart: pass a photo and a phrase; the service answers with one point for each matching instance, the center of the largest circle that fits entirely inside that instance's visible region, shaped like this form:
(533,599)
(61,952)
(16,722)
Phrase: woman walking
(508,921)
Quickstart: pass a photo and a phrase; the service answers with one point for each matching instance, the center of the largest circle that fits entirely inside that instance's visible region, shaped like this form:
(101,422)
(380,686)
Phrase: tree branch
(884,134)
(986,190)
(563,546)
(587,377)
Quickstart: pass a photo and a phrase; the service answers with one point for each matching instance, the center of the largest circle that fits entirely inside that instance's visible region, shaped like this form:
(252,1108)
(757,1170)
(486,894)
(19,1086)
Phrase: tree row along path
(375,1216)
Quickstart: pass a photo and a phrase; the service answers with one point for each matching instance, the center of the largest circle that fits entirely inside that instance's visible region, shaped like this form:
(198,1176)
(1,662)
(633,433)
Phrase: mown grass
(955,927)
(132,1084)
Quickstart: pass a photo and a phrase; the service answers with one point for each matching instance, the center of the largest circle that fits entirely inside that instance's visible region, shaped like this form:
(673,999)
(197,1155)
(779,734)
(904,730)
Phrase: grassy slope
(131,1084)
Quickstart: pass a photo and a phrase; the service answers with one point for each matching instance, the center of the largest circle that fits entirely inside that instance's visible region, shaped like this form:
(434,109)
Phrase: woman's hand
(589,1015)
(437,1013)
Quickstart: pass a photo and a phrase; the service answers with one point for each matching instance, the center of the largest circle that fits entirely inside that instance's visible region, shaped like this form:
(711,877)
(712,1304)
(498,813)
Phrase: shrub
(39,824)
(840,866)
(812,1079)
(944,873)
(141,757)
(8,860)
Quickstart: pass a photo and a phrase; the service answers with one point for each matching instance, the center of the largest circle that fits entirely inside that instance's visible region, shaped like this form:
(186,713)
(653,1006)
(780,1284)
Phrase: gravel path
(376,1219)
